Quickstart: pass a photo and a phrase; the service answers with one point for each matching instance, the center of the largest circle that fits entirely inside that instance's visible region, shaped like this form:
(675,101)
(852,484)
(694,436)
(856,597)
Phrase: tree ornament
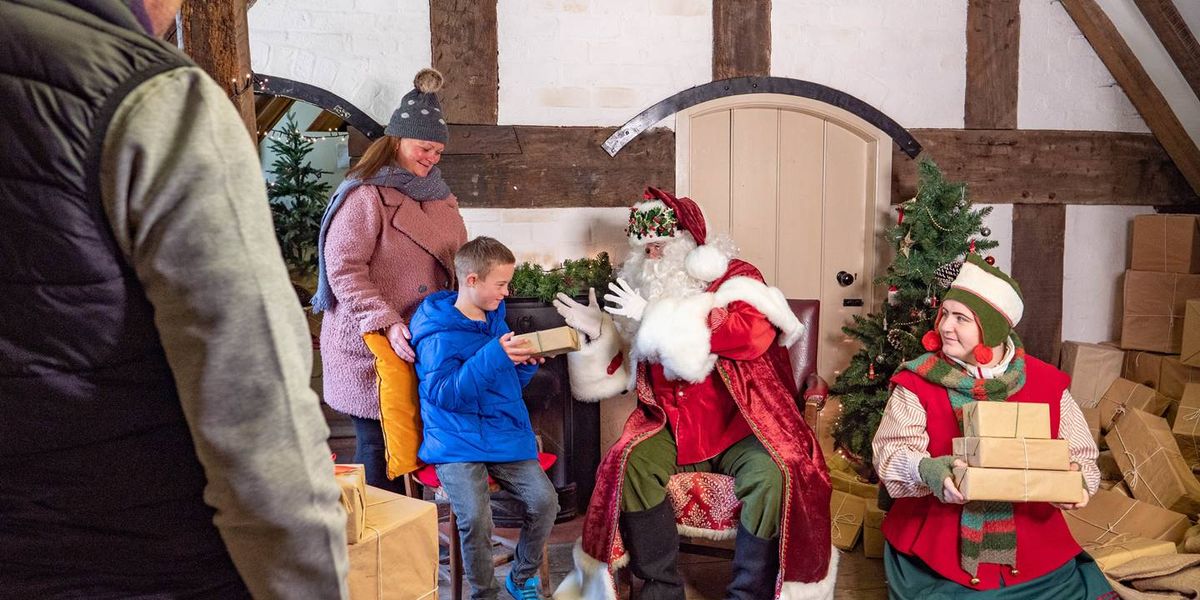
(931,301)
(906,244)
(894,338)
(893,295)
(900,219)
(871,371)
(946,273)
(971,247)
(991,260)
(880,358)
(985,231)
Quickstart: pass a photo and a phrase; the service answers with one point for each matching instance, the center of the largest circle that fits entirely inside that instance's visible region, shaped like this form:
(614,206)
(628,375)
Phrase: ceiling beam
(1175,36)
(993,54)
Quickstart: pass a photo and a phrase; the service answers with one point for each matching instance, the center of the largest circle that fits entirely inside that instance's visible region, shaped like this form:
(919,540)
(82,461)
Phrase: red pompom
(983,354)
(931,341)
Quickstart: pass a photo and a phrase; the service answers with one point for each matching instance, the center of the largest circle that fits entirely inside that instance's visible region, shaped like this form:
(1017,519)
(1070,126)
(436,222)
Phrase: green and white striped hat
(992,295)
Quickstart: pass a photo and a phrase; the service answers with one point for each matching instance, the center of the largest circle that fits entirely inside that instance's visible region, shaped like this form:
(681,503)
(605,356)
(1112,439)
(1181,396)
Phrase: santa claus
(701,340)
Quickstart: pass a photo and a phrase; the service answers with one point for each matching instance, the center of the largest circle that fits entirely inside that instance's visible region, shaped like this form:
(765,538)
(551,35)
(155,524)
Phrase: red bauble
(991,260)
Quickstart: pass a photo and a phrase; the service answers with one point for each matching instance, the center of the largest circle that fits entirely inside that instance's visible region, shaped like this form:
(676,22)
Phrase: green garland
(573,278)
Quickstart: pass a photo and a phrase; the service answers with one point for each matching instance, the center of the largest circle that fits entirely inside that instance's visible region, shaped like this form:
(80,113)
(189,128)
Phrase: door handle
(845,279)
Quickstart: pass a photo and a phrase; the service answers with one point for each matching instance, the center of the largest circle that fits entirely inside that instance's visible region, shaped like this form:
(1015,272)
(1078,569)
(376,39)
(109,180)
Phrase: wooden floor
(859,578)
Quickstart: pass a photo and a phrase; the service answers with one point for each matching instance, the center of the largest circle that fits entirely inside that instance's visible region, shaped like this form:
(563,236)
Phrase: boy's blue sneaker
(529,591)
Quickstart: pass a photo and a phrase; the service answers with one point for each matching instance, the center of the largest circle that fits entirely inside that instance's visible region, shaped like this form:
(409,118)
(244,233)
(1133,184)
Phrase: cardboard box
(1019,485)
(549,343)
(1168,243)
(1092,368)
(872,530)
(1154,307)
(851,484)
(1151,464)
(353,481)
(1109,470)
(1124,548)
(1187,425)
(1109,514)
(1124,395)
(1116,486)
(1189,353)
(1006,420)
(1173,376)
(1013,453)
(1092,417)
(397,559)
(1143,367)
(847,512)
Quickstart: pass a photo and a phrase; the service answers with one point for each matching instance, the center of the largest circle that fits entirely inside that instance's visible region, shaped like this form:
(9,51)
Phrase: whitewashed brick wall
(1063,84)
(575,62)
(906,58)
(366,51)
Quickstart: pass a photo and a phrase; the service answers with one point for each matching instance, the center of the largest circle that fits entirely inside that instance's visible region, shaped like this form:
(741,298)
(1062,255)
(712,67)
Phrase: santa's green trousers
(758,482)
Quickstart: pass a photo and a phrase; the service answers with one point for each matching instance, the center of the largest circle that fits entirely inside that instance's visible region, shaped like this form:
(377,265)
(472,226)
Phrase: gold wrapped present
(1151,465)
(397,558)
(1187,425)
(1013,453)
(1092,368)
(1006,420)
(1189,353)
(353,481)
(872,530)
(846,512)
(1124,548)
(549,343)
(1153,310)
(851,484)
(1109,514)
(1168,243)
(1019,485)
(1124,395)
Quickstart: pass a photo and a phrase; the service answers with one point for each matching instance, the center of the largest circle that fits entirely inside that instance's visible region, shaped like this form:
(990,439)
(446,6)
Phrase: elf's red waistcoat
(928,529)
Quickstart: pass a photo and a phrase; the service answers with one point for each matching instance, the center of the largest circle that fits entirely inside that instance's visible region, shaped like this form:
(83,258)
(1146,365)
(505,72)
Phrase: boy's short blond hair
(479,255)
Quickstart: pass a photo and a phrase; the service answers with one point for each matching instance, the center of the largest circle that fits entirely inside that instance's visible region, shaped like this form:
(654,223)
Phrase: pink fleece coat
(384,252)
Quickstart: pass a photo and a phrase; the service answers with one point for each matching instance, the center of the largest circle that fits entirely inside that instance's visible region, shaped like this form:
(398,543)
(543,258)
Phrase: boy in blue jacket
(471,373)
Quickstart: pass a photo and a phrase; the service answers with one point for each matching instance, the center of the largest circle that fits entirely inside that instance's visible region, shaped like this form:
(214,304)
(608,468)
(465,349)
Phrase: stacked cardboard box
(1010,455)
(1151,463)
(850,505)
(1092,367)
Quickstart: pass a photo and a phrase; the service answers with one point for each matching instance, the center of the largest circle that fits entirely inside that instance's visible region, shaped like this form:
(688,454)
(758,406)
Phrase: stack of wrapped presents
(1141,398)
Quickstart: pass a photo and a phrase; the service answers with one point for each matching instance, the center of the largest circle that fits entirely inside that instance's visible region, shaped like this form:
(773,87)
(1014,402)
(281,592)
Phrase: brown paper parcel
(398,557)
(1143,367)
(846,512)
(1189,353)
(1109,514)
(549,343)
(1173,376)
(872,530)
(1124,548)
(1092,368)
(1013,453)
(353,481)
(1092,417)
(1151,465)
(1006,420)
(849,483)
(1019,485)
(1124,395)
(1187,425)
(1154,305)
(1169,243)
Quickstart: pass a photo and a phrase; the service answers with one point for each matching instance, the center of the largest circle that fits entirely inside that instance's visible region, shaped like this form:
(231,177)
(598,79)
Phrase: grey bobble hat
(419,115)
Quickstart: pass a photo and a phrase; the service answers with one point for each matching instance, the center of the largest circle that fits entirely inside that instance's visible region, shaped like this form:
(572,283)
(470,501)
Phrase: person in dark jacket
(471,372)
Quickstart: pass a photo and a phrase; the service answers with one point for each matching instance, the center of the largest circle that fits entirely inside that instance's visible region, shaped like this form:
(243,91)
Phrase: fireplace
(565,427)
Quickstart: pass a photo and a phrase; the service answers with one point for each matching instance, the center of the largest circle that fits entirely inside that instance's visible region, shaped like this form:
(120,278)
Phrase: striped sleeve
(1073,428)
(900,443)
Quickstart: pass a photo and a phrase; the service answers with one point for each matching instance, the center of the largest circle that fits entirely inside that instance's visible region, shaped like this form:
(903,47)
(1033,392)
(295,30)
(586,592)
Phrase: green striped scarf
(987,530)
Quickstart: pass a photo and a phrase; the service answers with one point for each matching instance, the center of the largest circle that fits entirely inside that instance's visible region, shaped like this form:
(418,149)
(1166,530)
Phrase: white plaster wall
(546,236)
(599,62)
(906,58)
(1062,83)
(1095,256)
(366,51)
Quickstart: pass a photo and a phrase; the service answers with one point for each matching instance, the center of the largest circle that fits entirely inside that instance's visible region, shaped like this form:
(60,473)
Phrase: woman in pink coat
(387,240)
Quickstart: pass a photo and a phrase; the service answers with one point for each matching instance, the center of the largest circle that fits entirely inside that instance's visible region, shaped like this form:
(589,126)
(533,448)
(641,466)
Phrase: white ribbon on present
(841,518)
(1133,476)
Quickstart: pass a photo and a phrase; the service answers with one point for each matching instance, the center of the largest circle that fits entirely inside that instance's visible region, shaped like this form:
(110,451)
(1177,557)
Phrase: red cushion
(427,475)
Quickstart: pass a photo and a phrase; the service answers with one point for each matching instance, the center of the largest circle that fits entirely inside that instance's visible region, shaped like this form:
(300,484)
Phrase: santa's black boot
(755,567)
(652,542)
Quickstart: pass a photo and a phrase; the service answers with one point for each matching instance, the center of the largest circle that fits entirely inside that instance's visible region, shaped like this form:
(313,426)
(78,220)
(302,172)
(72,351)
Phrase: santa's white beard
(666,276)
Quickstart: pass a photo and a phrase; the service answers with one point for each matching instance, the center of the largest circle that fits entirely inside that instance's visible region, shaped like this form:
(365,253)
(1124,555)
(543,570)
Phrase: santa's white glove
(584,318)
(629,302)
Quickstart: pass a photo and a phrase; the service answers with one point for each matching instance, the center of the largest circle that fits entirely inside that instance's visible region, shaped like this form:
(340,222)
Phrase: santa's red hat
(661,217)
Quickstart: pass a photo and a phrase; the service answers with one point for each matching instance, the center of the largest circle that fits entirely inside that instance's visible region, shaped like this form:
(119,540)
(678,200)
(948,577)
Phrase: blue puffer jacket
(470,391)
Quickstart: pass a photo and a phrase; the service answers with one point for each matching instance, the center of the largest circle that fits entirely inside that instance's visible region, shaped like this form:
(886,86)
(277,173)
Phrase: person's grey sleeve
(185,197)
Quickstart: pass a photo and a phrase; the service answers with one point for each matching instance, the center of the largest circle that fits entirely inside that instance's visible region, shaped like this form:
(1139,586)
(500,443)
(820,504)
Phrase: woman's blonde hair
(381,153)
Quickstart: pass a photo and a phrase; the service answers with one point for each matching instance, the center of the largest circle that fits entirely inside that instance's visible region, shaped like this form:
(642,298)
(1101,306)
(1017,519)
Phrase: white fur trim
(589,580)
(708,534)
(991,289)
(768,300)
(817,590)
(588,366)
(706,263)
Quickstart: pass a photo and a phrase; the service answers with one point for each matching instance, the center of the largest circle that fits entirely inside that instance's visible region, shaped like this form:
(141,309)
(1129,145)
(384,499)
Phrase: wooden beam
(268,110)
(741,38)
(466,49)
(217,36)
(1037,259)
(993,53)
(561,167)
(483,139)
(1049,167)
(1132,77)
(1173,32)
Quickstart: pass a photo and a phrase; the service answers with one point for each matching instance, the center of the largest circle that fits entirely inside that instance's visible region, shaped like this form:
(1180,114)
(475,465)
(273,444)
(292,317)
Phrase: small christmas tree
(297,197)
(933,232)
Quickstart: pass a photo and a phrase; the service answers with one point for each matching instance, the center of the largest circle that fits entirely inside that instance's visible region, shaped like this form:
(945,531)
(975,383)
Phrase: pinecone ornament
(946,273)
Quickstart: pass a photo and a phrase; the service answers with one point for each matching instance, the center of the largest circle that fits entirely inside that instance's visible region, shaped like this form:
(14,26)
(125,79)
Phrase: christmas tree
(297,197)
(933,232)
